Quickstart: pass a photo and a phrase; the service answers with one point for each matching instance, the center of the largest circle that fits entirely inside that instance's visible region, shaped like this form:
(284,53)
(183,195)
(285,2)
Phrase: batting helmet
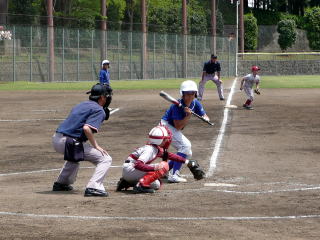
(105,62)
(158,134)
(255,68)
(188,86)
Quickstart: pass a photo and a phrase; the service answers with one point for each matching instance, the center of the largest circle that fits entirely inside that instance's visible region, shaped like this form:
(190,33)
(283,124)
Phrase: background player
(176,118)
(211,71)
(140,173)
(104,76)
(83,121)
(247,83)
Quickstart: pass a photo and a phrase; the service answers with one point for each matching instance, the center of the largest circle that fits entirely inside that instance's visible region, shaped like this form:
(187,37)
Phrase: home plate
(231,106)
(219,185)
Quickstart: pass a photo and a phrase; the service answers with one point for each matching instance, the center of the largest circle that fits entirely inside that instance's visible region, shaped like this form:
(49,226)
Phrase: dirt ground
(266,176)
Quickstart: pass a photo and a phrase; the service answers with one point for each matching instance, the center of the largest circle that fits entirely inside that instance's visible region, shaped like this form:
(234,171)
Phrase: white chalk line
(45,170)
(250,218)
(45,119)
(214,156)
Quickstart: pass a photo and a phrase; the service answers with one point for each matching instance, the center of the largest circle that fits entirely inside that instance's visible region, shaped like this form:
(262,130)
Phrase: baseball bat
(167,97)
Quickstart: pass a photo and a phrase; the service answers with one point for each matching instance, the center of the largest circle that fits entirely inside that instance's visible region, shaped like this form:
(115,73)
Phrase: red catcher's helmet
(255,68)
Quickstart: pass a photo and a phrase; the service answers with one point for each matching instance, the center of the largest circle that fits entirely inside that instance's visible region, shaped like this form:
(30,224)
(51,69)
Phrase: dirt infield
(266,179)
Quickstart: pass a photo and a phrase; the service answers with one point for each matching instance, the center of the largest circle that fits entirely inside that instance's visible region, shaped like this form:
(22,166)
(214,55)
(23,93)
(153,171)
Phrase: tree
(287,30)
(251,32)
(312,20)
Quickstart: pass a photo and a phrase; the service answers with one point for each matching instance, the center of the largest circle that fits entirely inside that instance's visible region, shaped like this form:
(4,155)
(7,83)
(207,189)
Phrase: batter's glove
(257,91)
(195,169)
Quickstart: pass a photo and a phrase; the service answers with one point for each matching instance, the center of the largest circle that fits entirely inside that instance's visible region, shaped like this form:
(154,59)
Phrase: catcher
(140,173)
(247,84)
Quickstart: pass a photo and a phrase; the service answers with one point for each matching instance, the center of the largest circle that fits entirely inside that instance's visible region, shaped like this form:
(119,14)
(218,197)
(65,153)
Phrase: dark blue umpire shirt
(211,67)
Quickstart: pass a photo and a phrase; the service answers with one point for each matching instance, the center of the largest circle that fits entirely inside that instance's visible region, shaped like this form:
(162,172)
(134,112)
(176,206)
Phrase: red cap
(255,68)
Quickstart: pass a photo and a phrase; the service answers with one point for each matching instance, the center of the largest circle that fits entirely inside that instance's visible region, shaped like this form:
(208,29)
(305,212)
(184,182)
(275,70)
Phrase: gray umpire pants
(69,171)
(215,79)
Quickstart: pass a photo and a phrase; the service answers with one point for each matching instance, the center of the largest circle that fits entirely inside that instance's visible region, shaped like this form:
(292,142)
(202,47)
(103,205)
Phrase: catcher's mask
(98,90)
(159,134)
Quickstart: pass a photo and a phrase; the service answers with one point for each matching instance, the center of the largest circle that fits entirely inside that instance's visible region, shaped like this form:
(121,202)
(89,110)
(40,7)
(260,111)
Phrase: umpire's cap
(98,90)
(214,56)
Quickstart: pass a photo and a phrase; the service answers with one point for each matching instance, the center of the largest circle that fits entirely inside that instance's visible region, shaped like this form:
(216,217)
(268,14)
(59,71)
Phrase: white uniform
(249,82)
(146,154)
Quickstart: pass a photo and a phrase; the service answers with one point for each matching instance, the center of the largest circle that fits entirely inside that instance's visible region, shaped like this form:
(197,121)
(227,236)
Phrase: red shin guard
(150,177)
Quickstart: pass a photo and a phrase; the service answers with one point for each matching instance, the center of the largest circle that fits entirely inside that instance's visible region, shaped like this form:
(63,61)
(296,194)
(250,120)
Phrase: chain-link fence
(77,54)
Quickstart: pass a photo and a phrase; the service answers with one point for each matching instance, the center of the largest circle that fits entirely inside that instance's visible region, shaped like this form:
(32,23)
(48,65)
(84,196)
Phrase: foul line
(214,156)
(253,218)
(46,119)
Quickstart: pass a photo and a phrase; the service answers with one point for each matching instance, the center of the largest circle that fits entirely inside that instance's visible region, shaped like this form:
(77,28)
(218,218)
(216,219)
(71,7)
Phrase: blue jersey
(104,77)
(85,113)
(177,113)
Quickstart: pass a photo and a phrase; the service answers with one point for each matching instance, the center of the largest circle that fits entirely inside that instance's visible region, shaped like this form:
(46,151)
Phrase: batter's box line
(139,218)
(46,119)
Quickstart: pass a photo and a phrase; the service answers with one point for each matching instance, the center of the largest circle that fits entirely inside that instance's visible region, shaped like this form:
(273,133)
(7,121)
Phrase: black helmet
(98,90)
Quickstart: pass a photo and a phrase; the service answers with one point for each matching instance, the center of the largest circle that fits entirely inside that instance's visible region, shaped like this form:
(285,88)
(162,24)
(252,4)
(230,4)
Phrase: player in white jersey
(247,84)
(138,170)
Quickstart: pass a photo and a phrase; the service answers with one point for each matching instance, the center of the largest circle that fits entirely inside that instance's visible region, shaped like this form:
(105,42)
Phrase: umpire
(70,139)
(211,71)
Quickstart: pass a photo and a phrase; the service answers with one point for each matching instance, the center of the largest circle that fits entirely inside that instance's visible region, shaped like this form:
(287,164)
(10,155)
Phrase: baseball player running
(247,84)
(104,75)
(176,118)
(142,174)
(211,71)
(70,139)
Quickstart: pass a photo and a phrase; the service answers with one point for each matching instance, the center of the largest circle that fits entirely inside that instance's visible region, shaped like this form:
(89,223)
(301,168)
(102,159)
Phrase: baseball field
(262,165)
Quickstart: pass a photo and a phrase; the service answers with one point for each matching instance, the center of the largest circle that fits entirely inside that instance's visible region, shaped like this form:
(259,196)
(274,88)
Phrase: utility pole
(144,39)
(103,53)
(213,27)
(241,28)
(51,41)
(185,35)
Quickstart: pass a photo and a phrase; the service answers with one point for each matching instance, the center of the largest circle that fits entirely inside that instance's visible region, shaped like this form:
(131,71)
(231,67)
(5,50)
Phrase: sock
(171,165)
(248,102)
(177,165)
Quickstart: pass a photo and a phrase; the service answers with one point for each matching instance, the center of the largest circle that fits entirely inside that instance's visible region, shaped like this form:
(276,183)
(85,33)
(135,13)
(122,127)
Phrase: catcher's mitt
(195,169)
(257,91)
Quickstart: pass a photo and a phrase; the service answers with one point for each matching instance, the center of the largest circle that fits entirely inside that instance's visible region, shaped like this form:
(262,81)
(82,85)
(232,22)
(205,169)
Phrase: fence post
(30,53)
(62,54)
(130,49)
(14,53)
(165,51)
(175,57)
(78,56)
(92,56)
(154,54)
(118,55)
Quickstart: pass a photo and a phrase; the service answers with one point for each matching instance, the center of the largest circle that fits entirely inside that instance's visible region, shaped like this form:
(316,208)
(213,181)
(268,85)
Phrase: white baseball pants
(68,173)
(179,141)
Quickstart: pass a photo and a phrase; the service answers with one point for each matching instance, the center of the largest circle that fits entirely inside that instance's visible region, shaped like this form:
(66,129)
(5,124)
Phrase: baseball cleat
(141,189)
(61,187)
(123,185)
(221,99)
(176,178)
(249,108)
(92,192)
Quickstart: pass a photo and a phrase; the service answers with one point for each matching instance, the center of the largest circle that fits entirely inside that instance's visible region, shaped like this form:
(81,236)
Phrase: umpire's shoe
(123,185)
(92,192)
(61,187)
(141,189)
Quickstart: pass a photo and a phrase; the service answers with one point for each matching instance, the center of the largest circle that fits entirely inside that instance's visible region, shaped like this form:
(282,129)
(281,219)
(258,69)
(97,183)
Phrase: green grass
(309,81)
(297,81)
